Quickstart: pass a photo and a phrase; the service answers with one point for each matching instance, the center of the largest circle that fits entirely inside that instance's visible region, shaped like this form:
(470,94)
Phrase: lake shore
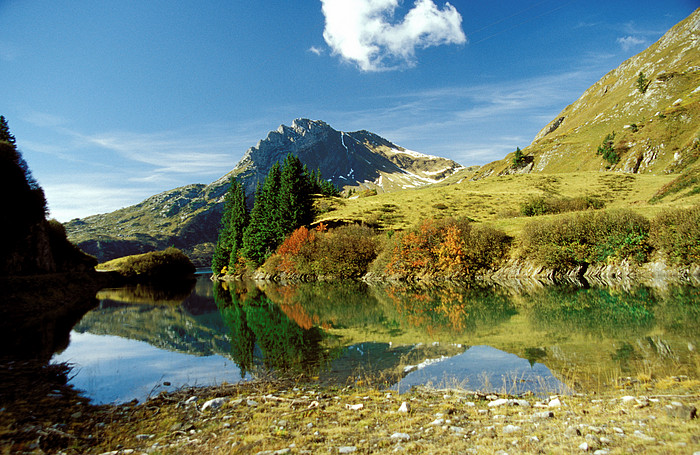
(514,273)
(278,417)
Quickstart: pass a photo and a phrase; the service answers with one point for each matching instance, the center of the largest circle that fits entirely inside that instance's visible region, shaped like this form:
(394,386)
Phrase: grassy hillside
(655,119)
(650,162)
(496,200)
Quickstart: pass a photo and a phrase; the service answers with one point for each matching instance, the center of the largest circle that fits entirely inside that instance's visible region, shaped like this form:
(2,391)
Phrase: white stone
(555,403)
(355,407)
(401,436)
(404,407)
(584,447)
(214,403)
(543,415)
(638,434)
(347,449)
(510,429)
(499,402)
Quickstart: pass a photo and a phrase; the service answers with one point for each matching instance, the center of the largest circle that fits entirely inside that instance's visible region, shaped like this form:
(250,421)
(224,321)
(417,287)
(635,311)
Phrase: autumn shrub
(587,238)
(447,247)
(344,252)
(677,234)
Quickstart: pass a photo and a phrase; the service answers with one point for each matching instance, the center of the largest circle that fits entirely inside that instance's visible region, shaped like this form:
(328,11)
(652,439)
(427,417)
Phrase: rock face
(188,217)
(656,121)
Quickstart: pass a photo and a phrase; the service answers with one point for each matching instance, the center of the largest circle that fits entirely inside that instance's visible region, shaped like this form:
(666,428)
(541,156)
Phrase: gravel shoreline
(280,417)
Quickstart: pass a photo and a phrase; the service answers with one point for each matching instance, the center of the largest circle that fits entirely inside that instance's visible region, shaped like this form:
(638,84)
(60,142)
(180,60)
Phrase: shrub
(642,83)
(447,247)
(344,252)
(607,149)
(518,158)
(587,238)
(677,234)
(65,254)
(170,264)
(542,205)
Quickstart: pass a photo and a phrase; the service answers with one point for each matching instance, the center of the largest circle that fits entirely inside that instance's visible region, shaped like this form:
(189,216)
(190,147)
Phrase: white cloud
(362,32)
(628,42)
(316,50)
(88,195)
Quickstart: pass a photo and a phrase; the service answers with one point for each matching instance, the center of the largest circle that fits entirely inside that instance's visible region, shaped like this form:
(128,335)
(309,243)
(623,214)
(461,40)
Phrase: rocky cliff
(188,217)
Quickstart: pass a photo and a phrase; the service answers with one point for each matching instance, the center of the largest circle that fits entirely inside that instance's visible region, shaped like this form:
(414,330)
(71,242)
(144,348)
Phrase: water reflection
(485,369)
(262,335)
(543,339)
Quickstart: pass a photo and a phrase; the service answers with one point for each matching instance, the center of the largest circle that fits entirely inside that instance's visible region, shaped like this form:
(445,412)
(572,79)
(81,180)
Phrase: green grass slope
(656,123)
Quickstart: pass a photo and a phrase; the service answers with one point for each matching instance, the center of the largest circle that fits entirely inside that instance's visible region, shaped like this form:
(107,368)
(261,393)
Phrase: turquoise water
(140,340)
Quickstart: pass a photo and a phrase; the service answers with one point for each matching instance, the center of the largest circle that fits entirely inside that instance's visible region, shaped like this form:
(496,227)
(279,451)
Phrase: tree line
(283,202)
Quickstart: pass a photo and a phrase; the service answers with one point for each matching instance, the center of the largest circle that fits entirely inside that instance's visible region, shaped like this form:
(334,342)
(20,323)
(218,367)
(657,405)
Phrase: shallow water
(140,340)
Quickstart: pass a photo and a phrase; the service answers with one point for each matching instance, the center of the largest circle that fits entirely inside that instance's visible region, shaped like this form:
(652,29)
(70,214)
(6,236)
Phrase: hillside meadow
(496,201)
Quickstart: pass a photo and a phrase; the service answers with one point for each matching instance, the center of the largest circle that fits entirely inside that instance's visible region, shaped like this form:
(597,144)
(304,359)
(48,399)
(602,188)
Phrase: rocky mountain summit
(188,217)
(649,106)
(357,160)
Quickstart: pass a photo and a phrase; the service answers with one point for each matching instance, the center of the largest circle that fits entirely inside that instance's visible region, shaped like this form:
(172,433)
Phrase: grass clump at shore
(157,265)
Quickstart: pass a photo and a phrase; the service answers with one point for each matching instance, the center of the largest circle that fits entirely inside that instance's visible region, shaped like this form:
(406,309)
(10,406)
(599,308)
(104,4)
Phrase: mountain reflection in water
(546,339)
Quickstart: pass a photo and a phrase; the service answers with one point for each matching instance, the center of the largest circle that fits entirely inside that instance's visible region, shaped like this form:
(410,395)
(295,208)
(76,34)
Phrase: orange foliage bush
(450,247)
(343,252)
(292,247)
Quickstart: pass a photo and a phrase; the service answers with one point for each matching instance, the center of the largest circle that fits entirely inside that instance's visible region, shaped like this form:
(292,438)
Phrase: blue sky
(112,102)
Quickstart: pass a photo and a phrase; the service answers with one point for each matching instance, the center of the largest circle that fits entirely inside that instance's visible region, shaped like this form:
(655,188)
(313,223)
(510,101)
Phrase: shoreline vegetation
(589,245)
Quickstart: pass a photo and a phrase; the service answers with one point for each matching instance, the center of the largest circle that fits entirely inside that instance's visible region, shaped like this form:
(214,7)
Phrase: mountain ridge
(188,217)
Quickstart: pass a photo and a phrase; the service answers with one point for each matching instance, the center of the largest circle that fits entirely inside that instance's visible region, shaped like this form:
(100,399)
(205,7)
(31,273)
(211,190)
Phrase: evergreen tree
(283,202)
(5,134)
(519,157)
(261,236)
(642,82)
(28,202)
(294,202)
(319,185)
(233,222)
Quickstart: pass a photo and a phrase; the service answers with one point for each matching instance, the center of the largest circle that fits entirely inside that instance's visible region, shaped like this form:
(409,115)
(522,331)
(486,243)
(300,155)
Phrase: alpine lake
(530,337)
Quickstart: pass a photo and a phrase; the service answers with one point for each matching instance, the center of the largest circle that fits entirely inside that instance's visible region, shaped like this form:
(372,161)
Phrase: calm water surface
(142,340)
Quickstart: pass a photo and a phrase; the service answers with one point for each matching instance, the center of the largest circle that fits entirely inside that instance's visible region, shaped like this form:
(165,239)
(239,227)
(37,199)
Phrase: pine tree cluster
(27,203)
(283,202)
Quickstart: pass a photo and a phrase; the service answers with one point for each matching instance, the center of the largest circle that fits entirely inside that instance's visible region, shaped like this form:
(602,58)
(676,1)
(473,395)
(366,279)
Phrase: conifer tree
(261,236)
(233,222)
(5,134)
(294,198)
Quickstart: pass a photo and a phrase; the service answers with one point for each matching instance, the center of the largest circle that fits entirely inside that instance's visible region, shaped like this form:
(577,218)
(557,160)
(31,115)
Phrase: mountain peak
(189,217)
